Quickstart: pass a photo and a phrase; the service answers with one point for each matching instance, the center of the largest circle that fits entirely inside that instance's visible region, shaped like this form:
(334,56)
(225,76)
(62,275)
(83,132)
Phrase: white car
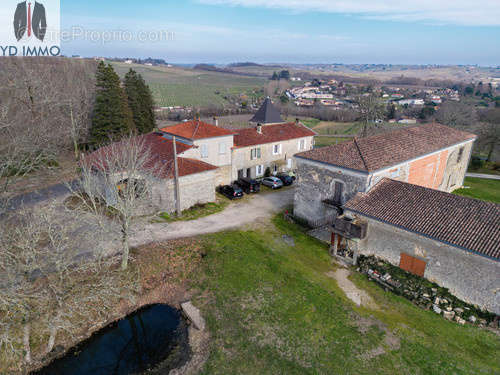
(272,182)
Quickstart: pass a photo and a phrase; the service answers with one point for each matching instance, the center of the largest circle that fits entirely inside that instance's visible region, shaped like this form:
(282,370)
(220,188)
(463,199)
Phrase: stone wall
(316,182)
(195,189)
(223,175)
(473,278)
(455,170)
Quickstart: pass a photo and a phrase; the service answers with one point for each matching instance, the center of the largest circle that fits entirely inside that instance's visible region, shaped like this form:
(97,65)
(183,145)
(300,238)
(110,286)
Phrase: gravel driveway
(258,207)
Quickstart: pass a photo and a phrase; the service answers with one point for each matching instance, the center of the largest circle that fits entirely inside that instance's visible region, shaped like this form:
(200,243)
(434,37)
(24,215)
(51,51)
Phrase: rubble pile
(424,293)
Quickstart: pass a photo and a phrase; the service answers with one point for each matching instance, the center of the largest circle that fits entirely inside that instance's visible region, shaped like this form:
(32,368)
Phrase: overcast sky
(293,31)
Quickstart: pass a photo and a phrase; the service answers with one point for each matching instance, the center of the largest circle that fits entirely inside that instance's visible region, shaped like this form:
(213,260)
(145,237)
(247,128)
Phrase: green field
(329,141)
(271,309)
(186,87)
(486,190)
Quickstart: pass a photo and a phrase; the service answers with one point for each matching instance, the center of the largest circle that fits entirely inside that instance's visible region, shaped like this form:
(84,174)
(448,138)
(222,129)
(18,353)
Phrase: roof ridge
(360,154)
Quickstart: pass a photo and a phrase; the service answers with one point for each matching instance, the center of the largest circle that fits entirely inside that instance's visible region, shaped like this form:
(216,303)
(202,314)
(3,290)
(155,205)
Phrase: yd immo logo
(30,19)
(30,28)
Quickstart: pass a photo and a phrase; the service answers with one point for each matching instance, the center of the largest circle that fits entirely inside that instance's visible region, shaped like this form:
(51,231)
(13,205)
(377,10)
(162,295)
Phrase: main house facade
(433,155)
(268,143)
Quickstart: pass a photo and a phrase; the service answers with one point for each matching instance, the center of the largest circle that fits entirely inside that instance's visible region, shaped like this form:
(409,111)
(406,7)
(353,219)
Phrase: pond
(154,337)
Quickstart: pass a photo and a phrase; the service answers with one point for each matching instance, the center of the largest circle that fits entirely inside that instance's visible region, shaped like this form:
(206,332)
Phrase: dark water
(152,338)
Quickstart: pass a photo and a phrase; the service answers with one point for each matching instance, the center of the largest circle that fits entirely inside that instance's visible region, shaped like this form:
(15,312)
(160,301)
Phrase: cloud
(456,12)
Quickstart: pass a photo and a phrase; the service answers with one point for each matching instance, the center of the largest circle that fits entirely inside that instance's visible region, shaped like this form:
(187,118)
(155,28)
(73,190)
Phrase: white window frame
(222,148)
(259,170)
(279,149)
(302,144)
(204,151)
(255,153)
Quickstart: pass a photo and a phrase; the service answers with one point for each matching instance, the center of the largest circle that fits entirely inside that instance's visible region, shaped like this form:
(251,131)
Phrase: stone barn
(197,179)
(431,155)
(451,240)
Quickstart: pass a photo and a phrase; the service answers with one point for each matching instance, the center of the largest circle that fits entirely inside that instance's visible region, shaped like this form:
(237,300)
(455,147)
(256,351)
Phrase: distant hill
(243,65)
(213,68)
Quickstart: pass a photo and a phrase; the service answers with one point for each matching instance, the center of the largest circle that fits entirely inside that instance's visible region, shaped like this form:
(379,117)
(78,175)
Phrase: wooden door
(413,265)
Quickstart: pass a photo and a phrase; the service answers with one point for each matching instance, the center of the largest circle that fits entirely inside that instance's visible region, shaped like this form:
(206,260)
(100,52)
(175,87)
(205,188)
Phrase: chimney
(259,128)
(216,121)
(297,121)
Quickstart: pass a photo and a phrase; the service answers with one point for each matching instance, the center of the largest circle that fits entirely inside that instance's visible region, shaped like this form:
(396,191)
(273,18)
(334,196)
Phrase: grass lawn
(486,190)
(196,212)
(271,309)
(328,141)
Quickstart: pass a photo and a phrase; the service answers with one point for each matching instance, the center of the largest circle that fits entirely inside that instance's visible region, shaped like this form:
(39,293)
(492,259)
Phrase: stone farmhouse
(247,152)
(389,196)
(432,155)
(209,156)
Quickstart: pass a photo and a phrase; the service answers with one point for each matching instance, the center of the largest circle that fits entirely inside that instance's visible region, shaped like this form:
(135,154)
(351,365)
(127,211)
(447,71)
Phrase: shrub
(477,162)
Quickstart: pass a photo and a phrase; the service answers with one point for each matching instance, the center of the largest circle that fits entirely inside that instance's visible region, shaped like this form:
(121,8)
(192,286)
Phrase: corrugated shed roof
(385,150)
(271,134)
(467,223)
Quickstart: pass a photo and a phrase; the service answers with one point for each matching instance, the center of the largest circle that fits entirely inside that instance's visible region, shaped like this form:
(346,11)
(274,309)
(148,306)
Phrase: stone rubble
(424,293)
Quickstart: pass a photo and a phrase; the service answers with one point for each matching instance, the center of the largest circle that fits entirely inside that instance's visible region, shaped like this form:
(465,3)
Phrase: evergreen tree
(140,101)
(112,118)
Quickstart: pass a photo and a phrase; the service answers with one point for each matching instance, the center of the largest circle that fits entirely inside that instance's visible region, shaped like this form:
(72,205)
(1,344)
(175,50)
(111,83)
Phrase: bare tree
(116,184)
(52,270)
(371,109)
(457,114)
(45,107)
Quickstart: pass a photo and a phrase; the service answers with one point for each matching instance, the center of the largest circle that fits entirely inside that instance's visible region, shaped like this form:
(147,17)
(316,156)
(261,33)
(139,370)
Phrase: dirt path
(356,295)
(256,209)
(485,176)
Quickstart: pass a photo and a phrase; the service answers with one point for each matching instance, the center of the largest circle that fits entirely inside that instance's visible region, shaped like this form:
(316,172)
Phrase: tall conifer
(112,118)
(140,101)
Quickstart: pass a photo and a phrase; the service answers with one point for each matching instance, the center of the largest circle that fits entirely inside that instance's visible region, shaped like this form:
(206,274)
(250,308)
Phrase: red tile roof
(466,223)
(270,134)
(385,150)
(189,166)
(162,157)
(196,130)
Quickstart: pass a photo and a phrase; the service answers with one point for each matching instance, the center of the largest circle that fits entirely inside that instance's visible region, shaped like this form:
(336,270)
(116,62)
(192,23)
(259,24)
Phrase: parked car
(231,191)
(272,182)
(249,185)
(285,178)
